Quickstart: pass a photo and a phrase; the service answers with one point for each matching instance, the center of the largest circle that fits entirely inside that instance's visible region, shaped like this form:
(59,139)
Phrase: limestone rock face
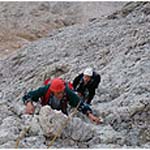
(52,121)
(118,47)
(26,22)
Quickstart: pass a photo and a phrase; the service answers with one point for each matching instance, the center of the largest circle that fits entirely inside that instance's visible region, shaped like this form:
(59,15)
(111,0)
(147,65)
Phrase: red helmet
(57,85)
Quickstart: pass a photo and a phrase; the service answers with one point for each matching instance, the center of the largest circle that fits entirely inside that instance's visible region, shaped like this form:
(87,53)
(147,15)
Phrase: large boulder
(52,121)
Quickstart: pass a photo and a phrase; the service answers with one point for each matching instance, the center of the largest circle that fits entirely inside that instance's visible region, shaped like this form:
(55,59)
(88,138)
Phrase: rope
(25,130)
(63,126)
(22,135)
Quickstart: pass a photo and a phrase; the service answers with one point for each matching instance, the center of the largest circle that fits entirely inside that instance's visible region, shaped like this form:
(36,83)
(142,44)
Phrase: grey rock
(35,127)
(78,131)
(8,134)
(52,121)
(9,144)
(99,146)
(27,22)
(118,49)
(108,135)
(10,121)
(147,145)
(18,109)
(26,119)
(33,141)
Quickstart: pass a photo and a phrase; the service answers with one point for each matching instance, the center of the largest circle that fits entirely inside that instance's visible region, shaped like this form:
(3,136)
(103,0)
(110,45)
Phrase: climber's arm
(35,94)
(83,107)
(74,100)
(77,80)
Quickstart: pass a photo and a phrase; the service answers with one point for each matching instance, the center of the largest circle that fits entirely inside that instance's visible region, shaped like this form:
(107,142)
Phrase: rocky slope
(118,47)
(23,22)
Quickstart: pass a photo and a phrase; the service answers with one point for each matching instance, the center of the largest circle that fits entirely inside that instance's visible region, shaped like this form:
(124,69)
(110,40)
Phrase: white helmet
(88,71)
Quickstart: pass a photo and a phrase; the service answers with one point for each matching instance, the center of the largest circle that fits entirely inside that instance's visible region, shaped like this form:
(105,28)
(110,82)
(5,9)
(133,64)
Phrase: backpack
(45,98)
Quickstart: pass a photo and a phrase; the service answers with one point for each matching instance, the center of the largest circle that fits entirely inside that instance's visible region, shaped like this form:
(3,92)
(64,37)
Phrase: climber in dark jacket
(58,95)
(86,83)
